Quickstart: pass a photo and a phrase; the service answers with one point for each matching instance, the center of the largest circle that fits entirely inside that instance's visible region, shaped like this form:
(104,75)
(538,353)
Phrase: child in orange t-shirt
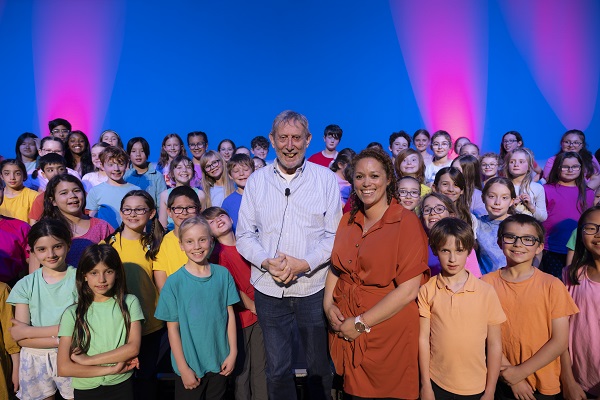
(537,306)
(452,358)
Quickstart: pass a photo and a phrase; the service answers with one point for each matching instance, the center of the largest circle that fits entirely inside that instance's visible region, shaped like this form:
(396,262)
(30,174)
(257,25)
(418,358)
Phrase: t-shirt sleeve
(135,308)
(21,293)
(572,240)
(91,200)
(423,302)
(496,314)
(37,208)
(67,322)
(232,293)
(561,301)
(166,310)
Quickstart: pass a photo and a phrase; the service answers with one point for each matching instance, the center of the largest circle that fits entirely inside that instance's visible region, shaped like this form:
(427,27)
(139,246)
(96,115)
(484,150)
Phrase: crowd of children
(111,256)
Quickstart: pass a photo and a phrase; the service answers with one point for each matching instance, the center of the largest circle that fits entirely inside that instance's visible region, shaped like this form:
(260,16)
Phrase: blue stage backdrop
(150,68)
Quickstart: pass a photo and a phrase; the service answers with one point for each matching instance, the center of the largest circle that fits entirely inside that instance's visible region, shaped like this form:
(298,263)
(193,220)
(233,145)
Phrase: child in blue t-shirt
(239,167)
(196,302)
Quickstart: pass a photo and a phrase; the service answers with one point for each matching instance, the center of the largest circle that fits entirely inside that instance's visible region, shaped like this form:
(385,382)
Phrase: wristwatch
(360,325)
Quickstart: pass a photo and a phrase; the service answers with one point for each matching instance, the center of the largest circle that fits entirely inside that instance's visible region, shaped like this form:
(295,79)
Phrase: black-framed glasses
(435,210)
(574,168)
(572,143)
(509,141)
(60,131)
(408,193)
(590,228)
(212,165)
(135,211)
(188,210)
(196,145)
(509,238)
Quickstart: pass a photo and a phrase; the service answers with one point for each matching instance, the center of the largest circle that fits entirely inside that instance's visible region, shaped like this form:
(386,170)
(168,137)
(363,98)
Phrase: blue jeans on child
(277,318)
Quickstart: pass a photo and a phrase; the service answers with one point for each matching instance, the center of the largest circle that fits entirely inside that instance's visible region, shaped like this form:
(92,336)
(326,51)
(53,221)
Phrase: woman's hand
(427,393)
(348,331)
(335,317)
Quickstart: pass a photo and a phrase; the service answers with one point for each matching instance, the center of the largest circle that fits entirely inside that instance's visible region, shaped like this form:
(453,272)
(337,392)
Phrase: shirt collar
(469,285)
(299,171)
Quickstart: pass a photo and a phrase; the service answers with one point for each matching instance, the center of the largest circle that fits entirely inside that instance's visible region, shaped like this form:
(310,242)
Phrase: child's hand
(487,396)
(80,358)
(228,365)
(121,368)
(134,362)
(18,330)
(572,390)
(522,391)
(189,379)
(512,375)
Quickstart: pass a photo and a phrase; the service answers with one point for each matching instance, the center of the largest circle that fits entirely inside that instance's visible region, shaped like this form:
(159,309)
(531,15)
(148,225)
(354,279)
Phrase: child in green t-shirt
(100,336)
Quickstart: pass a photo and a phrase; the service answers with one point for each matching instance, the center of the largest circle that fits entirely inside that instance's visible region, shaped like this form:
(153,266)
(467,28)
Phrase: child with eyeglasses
(183,203)
(537,306)
(567,197)
(580,376)
(433,208)
(409,192)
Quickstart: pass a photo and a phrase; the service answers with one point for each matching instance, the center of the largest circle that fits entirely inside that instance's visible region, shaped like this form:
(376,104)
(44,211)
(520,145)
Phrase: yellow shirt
(138,274)
(7,344)
(19,206)
(170,257)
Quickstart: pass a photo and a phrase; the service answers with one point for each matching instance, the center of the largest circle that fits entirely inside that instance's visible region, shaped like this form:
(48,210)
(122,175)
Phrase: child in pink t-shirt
(13,246)
(579,366)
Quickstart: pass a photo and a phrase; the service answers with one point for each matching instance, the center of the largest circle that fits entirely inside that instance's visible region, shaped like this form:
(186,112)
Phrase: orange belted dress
(384,362)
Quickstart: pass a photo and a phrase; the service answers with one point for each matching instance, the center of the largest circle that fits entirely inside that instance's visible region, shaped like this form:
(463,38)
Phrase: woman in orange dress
(379,260)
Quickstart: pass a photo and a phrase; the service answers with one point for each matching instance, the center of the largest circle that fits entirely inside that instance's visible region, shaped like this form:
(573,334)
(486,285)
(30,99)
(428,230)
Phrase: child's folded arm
(123,353)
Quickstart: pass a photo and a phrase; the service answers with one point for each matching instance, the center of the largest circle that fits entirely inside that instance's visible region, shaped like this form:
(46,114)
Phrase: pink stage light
(76,51)
(445,49)
(558,40)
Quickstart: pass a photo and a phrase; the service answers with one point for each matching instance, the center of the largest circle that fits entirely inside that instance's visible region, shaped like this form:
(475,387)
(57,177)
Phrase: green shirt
(46,302)
(107,328)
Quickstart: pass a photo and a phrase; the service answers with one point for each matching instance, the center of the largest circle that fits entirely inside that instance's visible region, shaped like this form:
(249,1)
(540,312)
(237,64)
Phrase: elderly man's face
(290,143)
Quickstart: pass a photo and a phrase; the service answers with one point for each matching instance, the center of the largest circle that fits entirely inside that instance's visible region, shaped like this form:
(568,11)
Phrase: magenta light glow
(76,51)
(445,48)
(558,40)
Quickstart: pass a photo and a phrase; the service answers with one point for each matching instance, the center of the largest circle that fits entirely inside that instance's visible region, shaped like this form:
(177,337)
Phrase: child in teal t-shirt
(100,336)
(196,302)
(40,299)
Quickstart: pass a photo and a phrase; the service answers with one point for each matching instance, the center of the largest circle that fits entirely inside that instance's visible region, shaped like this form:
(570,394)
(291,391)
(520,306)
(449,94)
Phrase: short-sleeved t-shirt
(19,206)
(489,254)
(13,248)
(106,200)
(232,204)
(459,325)
(320,159)
(199,305)
(152,181)
(46,301)
(239,268)
(170,257)
(99,230)
(138,274)
(108,331)
(530,306)
(37,208)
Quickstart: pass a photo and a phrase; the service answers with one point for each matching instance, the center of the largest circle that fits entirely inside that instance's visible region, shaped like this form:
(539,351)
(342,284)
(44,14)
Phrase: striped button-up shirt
(301,224)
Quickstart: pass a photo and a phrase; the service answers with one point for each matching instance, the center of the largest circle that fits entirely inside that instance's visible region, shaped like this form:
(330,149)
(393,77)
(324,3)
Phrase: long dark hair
(554,177)
(388,167)
(150,241)
(463,203)
(49,227)
(21,140)
(91,257)
(86,157)
(50,210)
(582,256)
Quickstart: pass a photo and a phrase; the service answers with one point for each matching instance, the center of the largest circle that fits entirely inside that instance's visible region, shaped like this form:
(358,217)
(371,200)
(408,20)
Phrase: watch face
(360,327)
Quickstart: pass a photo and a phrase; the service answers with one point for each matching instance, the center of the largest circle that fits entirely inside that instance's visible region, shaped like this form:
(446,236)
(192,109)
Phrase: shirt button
(349,261)
(356,244)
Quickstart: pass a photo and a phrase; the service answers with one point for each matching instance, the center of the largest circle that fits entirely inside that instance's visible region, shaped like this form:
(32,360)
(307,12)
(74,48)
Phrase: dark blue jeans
(277,318)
